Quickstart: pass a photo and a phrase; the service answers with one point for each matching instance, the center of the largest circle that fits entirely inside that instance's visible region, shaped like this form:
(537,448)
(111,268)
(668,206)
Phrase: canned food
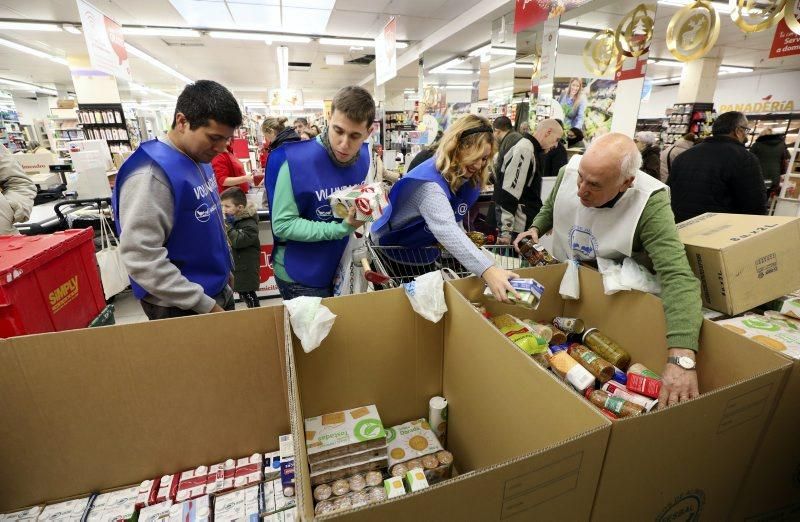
(606,348)
(569,325)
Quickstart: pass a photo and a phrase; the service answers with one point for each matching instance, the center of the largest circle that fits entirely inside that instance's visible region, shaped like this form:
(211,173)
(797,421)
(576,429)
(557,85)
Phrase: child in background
(241,222)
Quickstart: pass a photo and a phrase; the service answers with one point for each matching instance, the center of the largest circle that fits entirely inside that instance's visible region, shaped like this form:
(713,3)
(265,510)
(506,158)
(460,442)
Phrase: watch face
(686,362)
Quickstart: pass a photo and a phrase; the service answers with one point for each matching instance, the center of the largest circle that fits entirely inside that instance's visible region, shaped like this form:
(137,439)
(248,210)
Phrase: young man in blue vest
(300,178)
(168,213)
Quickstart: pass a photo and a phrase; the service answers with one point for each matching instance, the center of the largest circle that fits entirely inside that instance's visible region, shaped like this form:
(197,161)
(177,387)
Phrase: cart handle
(74,202)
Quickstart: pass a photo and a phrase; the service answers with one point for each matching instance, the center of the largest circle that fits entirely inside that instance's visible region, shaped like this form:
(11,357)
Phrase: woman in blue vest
(428,204)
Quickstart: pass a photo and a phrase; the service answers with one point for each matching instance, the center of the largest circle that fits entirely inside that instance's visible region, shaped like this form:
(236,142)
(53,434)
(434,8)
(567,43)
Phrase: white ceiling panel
(304,20)
(374,6)
(255,16)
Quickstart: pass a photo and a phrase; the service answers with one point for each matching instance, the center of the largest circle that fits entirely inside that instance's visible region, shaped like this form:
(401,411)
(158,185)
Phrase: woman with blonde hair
(427,205)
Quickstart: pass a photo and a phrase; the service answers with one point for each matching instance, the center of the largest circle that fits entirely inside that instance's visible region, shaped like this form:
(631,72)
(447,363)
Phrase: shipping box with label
(102,408)
(742,261)
(525,447)
(688,460)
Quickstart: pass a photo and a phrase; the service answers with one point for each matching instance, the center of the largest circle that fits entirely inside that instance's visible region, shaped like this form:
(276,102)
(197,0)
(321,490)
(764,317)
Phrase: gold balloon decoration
(693,31)
(753,16)
(600,52)
(635,31)
(790,14)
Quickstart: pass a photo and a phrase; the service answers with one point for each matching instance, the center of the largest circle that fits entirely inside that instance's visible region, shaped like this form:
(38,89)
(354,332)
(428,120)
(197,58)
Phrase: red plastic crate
(48,283)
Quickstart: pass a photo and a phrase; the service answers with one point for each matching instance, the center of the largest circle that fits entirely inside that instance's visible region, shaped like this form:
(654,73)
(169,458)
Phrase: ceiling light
(34,52)
(355,42)
(480,51)
(164,67)
(233,35)
(444,68)
(287,38)
(283,66)
(73,29)
(29,26)
(29,87)
(666,63)
(573,32)
(732,69)
(161,31)
(722,8)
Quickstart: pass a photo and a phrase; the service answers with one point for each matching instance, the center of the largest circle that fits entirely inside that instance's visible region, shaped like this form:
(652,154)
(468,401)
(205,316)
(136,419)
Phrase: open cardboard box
(686,460)
(525,447)
(96,409)
(771,490)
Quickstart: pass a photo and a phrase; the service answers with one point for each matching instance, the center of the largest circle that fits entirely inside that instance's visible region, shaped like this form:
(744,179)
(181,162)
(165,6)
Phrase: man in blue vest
(300,178)
(168,214)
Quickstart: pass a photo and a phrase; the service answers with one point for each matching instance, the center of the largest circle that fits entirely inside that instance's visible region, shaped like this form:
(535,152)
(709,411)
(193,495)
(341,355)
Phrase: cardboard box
(520,457)
(742,261)
(684,461)
(130,424)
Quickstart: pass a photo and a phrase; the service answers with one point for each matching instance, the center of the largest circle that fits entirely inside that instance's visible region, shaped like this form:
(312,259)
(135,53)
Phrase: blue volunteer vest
(416,234)
(197,244)
(314,178)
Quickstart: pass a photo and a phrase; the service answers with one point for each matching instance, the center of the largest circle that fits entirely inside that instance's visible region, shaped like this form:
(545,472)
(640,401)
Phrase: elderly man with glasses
(719,174)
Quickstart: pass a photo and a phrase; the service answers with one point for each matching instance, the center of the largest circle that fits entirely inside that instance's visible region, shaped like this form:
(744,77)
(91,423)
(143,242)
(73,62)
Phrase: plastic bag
(311,321)
(349,276)
(628,275)
(570,284)
(113,273)
(426,294)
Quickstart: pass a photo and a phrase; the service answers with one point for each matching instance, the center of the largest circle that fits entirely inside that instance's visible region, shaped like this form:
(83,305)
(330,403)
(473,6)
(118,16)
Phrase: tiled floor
(128,310)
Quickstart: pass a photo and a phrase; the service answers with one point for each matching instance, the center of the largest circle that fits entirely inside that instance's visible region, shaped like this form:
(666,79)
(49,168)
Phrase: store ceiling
(249,68)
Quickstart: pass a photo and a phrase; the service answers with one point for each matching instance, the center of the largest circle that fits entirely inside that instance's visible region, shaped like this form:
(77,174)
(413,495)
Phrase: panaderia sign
(758,107)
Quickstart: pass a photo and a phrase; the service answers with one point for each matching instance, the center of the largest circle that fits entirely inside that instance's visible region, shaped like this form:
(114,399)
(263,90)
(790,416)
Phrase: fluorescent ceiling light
(444,68)
(29,87)
(138,87)
(666,63)
(283,66)
(355,42)
(164,67)
(570,32)
(480,51)
(34,52)
(732,69)
(722,8)
(161,31)
(73,29)
(235,35)
(29,26)
(287,38)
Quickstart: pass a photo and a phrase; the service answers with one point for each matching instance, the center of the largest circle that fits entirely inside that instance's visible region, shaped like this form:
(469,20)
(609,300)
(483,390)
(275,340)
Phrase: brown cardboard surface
(688,459)
(94,409)
(742,261)
(771,490)
(518,455)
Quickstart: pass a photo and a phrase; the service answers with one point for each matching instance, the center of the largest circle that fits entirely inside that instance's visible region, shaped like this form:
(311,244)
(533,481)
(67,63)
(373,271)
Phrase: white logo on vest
(583,243)
(462,209)
(324,213)
(203,213)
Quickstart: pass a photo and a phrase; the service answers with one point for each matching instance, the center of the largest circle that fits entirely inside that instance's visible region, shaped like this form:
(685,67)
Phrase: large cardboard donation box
(688,459)
(101,408)
(742,261)
(525,447)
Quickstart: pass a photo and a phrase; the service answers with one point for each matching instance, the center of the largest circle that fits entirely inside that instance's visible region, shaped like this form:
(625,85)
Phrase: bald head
(608,168)
(548,133)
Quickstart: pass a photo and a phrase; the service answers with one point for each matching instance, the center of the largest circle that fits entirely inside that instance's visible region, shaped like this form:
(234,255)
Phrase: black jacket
(771,153)
(718,175)
(285,136)
(421,156)
(246,250)
(651,161)
(554,160)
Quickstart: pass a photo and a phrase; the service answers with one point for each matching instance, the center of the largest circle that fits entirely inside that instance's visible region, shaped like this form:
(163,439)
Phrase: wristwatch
(687,363)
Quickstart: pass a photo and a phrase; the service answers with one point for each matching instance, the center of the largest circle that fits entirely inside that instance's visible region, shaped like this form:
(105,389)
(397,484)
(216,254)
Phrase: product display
(69,511)
(369,201)
(119,506)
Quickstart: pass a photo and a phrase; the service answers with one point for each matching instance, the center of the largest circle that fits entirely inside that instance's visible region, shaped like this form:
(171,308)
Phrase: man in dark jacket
(718,175)
(555,158)
(770,149)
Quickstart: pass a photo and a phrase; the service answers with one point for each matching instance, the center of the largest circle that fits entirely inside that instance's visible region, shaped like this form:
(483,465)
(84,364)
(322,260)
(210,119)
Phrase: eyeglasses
(748,130)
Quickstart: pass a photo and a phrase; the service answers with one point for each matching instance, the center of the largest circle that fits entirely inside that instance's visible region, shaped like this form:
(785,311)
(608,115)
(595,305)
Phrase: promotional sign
(547,69)
(587,103)
(528,13)
(266,275)
(630,68)
(286,98)
(386,53)
(104,42)
(693,30)
(786,41)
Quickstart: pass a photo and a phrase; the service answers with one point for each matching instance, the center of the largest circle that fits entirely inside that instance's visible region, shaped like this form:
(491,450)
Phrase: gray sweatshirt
(146,216)
(17,192)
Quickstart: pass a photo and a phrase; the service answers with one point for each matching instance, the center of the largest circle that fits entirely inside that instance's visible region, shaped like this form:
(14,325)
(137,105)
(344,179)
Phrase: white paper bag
(570,284)
(112,272)
(311,321)
(426,294)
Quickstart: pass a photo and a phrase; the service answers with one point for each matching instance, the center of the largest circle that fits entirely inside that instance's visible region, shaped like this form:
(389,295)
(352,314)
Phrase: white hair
(646,137)
(630,164)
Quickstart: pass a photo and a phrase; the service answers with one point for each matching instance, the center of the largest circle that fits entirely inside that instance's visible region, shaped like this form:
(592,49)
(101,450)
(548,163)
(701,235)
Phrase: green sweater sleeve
(657,235)
(286,220)
(543,222)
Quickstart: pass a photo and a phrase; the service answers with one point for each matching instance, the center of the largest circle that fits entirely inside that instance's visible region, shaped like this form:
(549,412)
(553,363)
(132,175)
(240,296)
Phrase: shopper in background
(575,139)
(427,205)
(518,190)
(229,171)
(300,125)
(651,153)
(305,136)
(168,213)
(17,193)
(603,206)
(770,149)
(556,157)
(309,240)
(718,175)
(241,224)
(669,154)
(315,130)
(276,131)
(524,127)
(573,102)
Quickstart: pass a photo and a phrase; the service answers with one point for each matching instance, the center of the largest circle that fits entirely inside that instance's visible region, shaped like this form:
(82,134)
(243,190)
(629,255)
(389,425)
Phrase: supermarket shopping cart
(383,260)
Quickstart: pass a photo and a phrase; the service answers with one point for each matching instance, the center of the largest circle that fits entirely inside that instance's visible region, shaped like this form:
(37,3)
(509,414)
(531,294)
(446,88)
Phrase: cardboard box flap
(110,407)
(723,230)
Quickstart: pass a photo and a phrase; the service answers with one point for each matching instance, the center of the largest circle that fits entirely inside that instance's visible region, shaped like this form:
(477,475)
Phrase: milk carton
(26,515)
(248,470)
(69,511)
(156,513)
(192,484)
(148,490)
(117,506)
(221,477)
(167,488)
(195,510)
